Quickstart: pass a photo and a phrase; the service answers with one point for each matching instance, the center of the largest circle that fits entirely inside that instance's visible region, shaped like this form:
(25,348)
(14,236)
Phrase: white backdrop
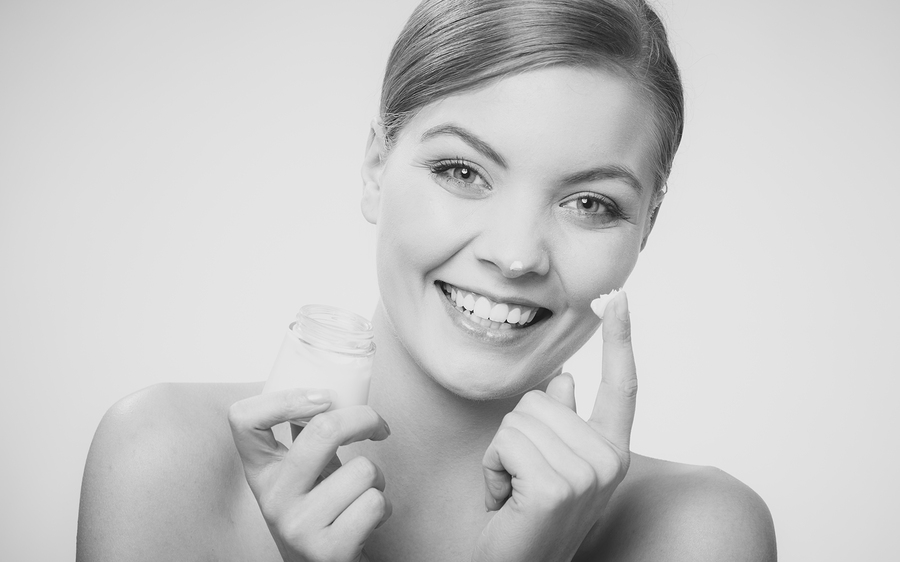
(177,178)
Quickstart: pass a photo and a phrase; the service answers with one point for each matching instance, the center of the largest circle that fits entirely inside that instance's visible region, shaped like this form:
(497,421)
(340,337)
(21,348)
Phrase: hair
(451,46)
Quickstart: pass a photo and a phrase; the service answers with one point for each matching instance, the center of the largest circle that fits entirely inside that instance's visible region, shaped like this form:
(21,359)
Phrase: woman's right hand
(311,518)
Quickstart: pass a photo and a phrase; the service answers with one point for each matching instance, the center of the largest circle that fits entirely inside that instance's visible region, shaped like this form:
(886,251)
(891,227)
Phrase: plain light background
(178,178)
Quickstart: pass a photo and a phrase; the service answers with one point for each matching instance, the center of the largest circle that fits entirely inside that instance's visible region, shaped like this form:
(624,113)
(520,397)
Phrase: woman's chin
(486,386)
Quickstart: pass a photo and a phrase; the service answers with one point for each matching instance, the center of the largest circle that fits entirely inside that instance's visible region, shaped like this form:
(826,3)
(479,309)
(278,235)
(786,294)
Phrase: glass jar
(326,347)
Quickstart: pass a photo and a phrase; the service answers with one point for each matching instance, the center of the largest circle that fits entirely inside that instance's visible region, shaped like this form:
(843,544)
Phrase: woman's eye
(458,174)
(464,173)
(594,208)
(588,204)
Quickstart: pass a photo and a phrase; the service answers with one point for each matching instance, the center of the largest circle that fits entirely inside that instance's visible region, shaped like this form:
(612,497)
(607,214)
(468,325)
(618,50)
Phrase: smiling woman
(521,171)
(513,176)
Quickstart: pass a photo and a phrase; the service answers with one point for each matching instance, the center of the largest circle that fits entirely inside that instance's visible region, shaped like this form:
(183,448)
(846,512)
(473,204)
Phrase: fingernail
(599,304)
(317,397)
(387,427)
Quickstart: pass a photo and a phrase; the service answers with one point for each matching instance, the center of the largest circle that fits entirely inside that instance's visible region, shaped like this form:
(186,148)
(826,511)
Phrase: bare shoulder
(163,477)
(673,512)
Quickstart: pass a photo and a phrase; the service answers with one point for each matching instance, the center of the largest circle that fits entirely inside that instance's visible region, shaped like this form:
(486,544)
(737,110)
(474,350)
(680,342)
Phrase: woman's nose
(514,243)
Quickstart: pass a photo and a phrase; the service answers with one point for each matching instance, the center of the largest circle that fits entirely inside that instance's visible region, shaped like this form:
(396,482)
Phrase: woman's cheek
(418,230)
(603,264)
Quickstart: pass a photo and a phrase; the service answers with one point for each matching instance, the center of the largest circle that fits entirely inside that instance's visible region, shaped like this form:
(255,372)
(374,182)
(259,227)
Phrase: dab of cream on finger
(598,305)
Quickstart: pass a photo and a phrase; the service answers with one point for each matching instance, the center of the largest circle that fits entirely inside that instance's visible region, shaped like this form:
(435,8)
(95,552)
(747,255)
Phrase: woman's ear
(372,166)
(654,212)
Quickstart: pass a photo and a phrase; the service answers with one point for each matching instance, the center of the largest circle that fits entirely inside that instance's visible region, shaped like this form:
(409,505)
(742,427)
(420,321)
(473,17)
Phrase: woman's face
(531,194)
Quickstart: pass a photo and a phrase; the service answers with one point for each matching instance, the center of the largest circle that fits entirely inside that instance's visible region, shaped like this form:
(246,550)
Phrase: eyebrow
(609,172)
(468,138)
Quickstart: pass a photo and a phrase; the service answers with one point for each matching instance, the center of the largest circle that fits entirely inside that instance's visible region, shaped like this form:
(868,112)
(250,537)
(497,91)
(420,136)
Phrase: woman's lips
(491,314)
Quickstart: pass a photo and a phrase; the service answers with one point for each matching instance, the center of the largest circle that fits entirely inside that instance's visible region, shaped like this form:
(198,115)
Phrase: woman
(518,163)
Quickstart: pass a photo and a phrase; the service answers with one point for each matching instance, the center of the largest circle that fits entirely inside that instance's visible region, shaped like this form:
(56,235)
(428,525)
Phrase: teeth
(488,314)
(527,316)
(499,312)
(483,308)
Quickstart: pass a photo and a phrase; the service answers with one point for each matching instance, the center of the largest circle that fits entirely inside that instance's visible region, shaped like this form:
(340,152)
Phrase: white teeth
(486,313)
(527,314)
(482,308)
(499,312)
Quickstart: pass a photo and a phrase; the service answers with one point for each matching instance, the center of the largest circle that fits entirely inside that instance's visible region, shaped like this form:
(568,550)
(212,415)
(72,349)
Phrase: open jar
(326,347)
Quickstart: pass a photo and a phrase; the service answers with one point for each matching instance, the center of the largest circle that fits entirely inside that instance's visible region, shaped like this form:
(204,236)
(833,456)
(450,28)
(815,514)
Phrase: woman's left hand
(548,473)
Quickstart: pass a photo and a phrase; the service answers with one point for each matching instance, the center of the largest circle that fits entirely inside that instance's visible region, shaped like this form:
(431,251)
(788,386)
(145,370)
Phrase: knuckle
(287,403)
(584,478)
(559,491)
(375,501)
(269,507)
(292,532)
(325,427)
(497,486)
(612,467)
(237,416)
(511,419)
(532,399)
(621,331)
(629,387)
(364,469)
(507,436)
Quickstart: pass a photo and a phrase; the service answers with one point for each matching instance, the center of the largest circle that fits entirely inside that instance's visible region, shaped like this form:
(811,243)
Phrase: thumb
(562,388)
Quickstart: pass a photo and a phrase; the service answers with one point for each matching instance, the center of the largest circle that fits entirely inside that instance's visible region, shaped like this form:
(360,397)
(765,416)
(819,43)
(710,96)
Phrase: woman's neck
(432,460)
(426,417)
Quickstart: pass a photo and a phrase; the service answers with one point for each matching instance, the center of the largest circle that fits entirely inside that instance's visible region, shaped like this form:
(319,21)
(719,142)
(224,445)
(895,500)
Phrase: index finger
(318,443)
(613,412)
(252,420)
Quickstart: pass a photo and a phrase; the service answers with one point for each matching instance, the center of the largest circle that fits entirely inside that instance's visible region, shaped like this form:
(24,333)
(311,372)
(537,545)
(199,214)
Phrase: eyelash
(612,209)
(438,169)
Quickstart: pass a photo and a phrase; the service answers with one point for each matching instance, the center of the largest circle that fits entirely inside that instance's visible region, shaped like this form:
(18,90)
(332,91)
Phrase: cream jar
(326,347)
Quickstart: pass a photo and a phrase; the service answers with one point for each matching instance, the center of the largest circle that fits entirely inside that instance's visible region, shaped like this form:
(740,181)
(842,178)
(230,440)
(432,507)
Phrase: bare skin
(485,458)
(164,482)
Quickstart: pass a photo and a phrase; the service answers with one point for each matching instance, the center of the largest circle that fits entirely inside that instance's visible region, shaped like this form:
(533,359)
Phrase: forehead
(557,118)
